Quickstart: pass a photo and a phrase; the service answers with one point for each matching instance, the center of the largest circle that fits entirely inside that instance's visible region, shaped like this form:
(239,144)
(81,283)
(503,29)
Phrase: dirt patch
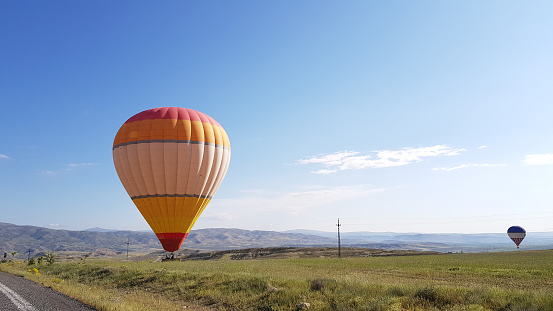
(296,252)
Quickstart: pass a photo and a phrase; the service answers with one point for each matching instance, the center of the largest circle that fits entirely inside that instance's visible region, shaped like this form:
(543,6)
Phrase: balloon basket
(169,257)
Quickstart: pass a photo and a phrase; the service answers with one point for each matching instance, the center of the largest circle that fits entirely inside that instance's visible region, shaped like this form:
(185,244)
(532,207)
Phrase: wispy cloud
(352,160)
(218,216)
(48,172)
(482,147)
(448,169)
(74,165)
(295,202)
(538,159)
(69,167)
(3,156)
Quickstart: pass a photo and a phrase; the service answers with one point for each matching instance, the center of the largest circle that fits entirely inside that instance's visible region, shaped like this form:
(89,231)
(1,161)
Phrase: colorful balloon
(171,161)
(516,234)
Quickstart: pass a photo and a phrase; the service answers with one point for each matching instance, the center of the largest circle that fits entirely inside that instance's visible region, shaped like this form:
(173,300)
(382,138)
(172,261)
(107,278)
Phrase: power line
(128,242)
(339,244)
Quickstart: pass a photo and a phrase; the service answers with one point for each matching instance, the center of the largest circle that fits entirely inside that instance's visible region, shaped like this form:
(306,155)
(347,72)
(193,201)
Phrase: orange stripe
(161,129)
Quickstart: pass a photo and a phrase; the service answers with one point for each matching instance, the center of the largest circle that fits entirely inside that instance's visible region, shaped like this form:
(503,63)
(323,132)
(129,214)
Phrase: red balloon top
(175,113)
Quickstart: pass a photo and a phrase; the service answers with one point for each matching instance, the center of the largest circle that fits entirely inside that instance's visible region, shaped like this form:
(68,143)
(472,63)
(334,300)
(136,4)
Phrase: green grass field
(521,280)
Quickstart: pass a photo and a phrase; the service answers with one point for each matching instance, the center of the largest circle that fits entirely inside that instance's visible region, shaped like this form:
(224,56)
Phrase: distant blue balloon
(517,234)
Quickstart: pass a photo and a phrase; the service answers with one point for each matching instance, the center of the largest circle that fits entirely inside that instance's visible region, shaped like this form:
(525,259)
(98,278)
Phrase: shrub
(396,291)
(50,257)
(429,294)
(318,284)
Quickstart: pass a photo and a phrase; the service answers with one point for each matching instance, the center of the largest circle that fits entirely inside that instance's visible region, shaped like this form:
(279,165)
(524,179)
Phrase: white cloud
(48,172)
(69,167)
(73,165)
(538,159)
(330,159)
(448,169)
(482,147)
(218,216)
(324,172)
(351,160)
(294,202)
(3,156)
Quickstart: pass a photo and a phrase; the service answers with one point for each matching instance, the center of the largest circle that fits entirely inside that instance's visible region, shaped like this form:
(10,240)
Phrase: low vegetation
(485,281)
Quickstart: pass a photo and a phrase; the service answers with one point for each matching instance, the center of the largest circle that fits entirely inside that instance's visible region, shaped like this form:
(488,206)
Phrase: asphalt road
(20,294)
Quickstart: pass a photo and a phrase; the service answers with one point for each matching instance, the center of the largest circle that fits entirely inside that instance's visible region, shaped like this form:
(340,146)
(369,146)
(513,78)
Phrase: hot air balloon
(171,161)
(516,234)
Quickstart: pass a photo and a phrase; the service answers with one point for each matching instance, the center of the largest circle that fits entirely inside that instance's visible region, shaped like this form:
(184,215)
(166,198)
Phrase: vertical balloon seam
(218,161)
(132,178)
(135,179)
(201,155)
(179,204)
(167,200)
(183,177)
(167,160)
(206,169)
(209,172)
(201,170)
(168,207)
(190,202)
(222,171)
(216,168)
(141,155)
(214,161)
(207,159)
(186,177)
(148,171)
(220,174)
(178,207)
(175,152)
(119,155)
(127,171)
(122,171)
(133,150)
(123,150)
(225,156)
(224,164)
(161,201)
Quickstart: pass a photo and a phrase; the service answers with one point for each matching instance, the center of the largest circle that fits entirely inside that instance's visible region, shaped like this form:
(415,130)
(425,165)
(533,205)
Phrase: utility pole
(128,242)
(339,244)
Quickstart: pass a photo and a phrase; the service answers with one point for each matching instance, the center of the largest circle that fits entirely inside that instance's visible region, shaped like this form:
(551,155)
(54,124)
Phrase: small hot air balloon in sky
(516,234)
(171,161)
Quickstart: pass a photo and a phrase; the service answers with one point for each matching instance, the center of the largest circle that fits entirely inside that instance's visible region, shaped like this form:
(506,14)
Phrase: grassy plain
(521,280)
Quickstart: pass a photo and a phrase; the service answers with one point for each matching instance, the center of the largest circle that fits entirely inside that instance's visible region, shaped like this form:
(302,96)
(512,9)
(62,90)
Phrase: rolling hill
(21,239)
(38,239)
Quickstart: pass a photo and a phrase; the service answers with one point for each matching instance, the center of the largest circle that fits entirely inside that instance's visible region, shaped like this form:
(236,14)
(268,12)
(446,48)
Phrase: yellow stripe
(171,214)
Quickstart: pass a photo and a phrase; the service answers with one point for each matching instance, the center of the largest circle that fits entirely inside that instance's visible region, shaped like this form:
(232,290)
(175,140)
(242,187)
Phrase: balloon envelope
(171,161)
(516,234)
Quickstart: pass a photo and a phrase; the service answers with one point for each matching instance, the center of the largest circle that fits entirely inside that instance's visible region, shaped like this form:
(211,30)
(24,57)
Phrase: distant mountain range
(441,242)
(38,240)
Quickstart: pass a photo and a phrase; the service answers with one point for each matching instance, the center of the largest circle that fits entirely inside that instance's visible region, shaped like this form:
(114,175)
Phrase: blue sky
(405,116)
